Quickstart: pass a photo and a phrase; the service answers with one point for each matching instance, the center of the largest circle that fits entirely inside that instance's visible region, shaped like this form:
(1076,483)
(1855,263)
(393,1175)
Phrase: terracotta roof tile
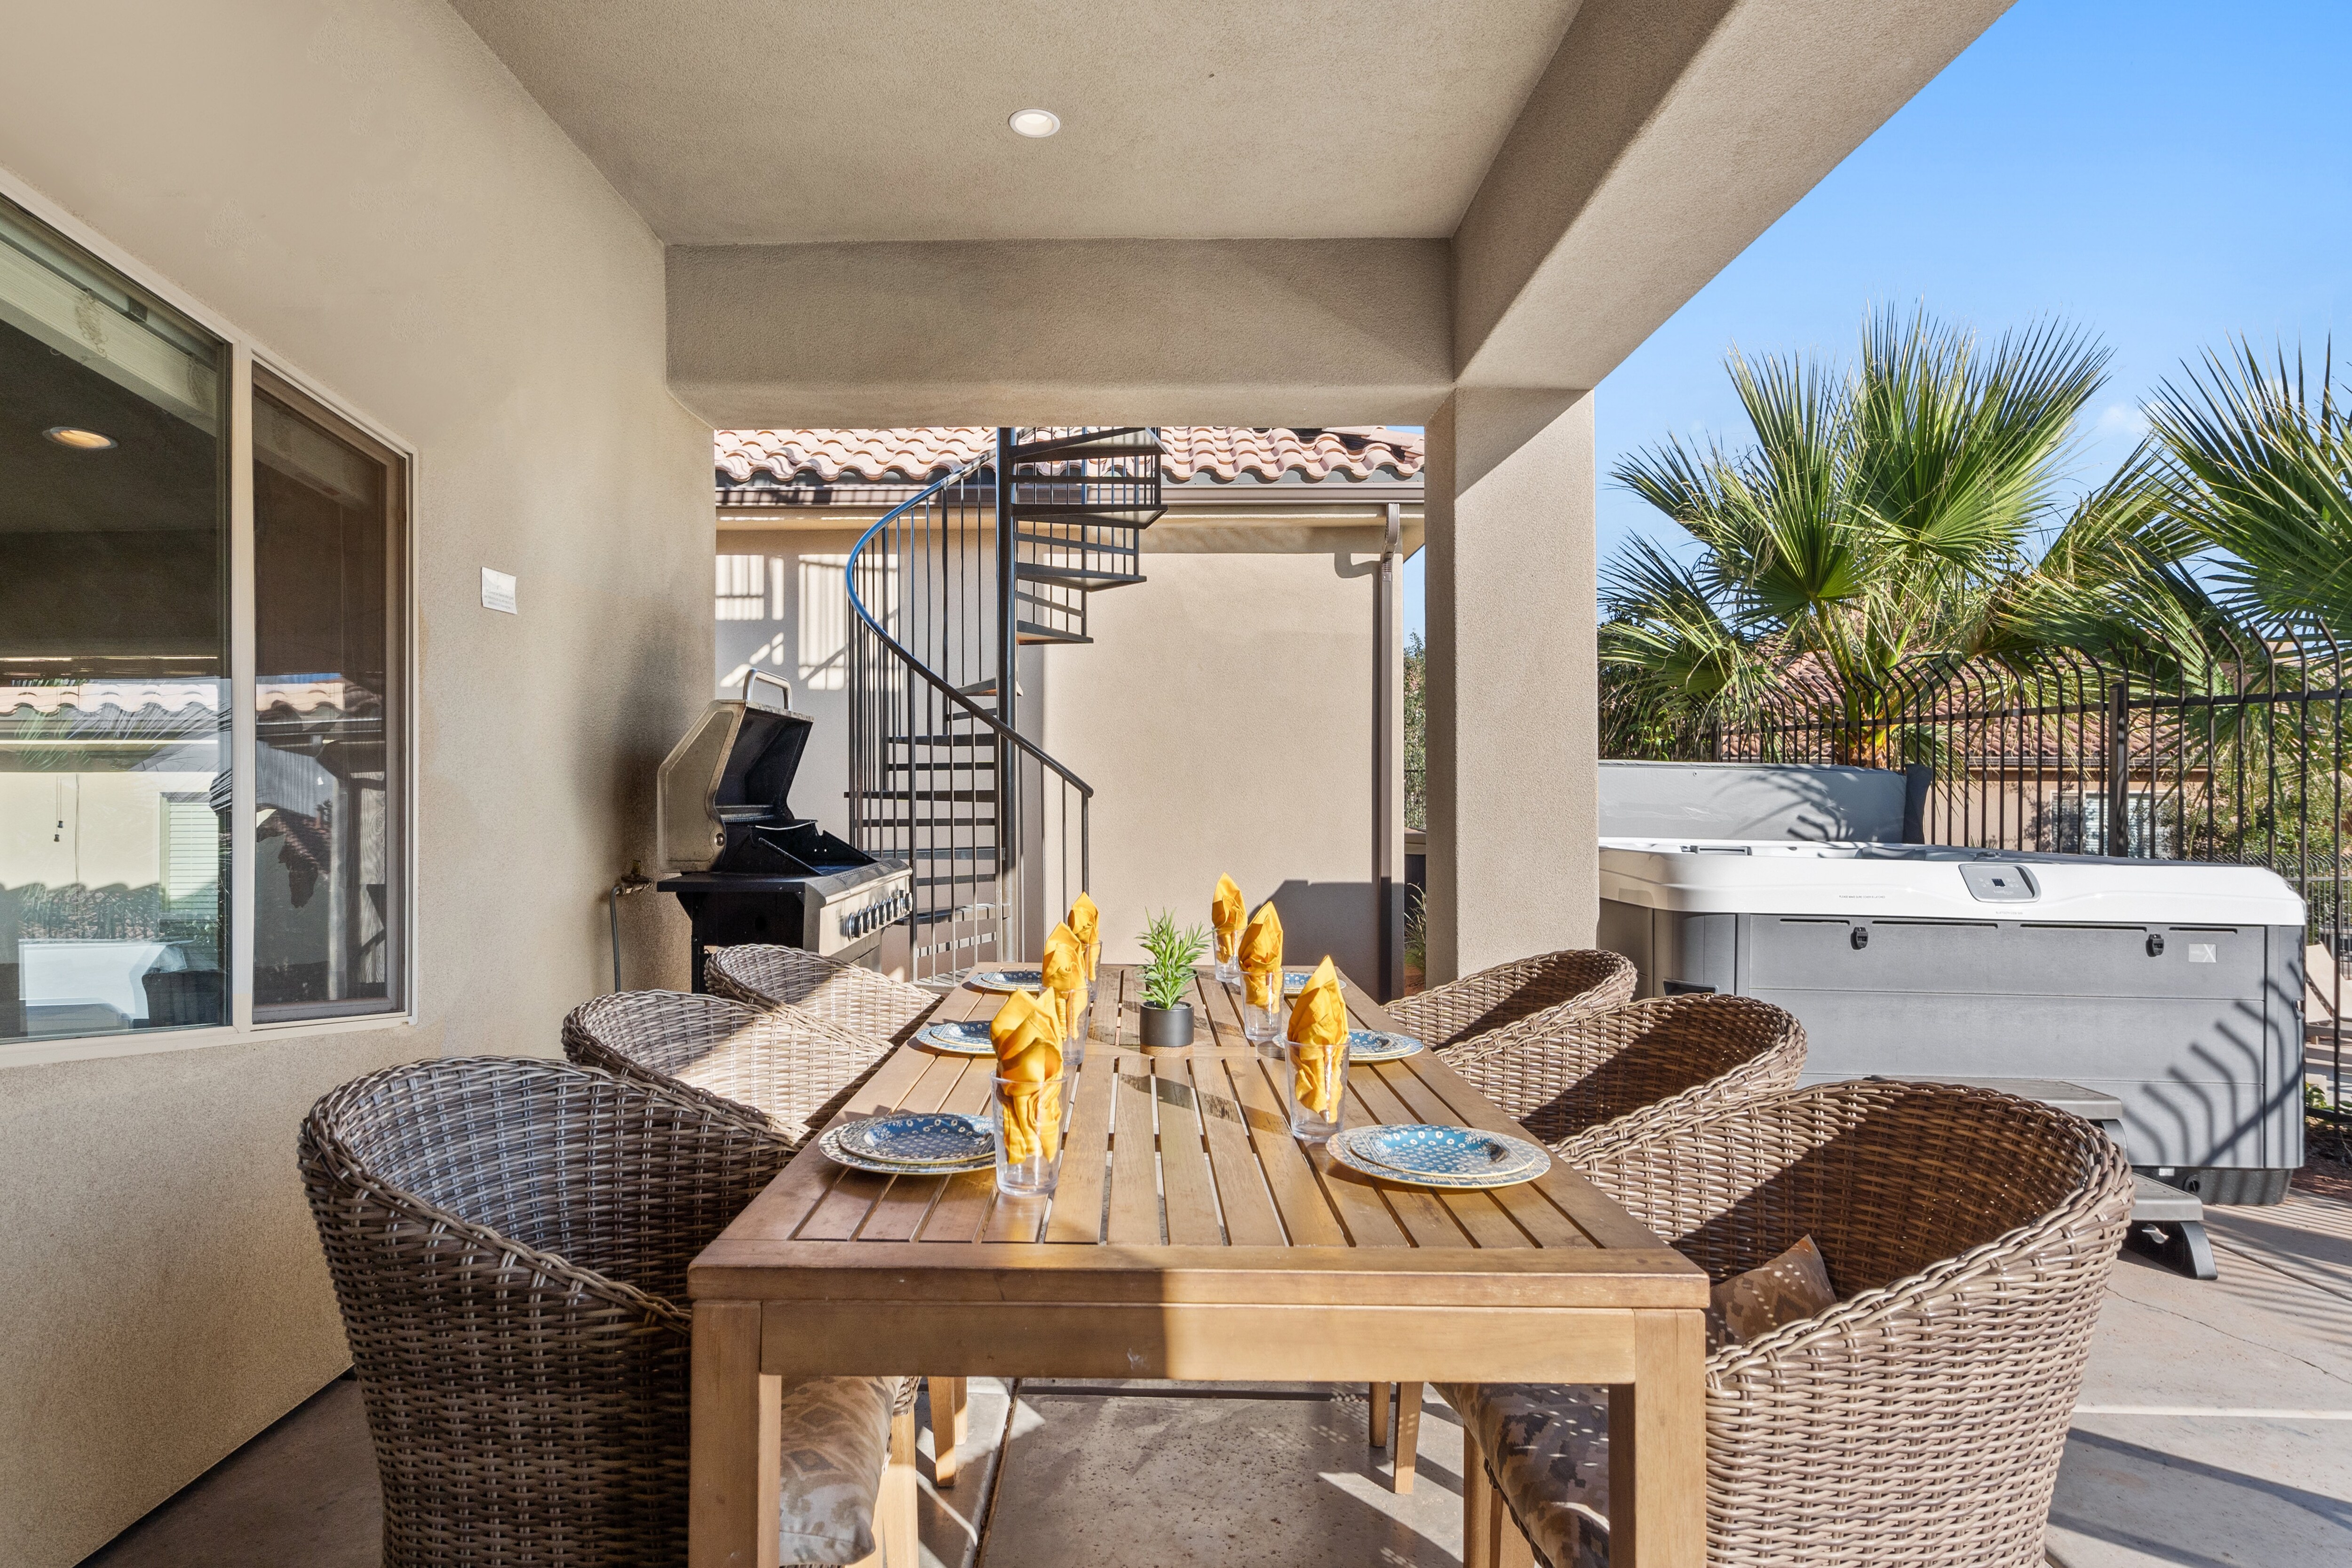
(1226,452)
(1201,453)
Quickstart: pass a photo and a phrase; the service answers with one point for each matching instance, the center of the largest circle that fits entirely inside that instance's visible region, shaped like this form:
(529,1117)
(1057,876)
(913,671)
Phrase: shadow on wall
(1341,919)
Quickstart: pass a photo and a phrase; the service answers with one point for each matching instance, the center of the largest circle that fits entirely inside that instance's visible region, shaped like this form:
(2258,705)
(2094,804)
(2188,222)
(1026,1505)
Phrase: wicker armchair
(1574,980)
(1645,1065)
(1919,1421)
(790,1067)
(848,995)
(509,1240)
(1647,1062)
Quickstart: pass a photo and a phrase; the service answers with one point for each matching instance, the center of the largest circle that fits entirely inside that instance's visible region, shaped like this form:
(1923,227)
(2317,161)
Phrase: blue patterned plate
(1426,1156)
(966,1037)
(1293,981)
(1374,1045)
(830,1145)
(916,1139)
(1006,980)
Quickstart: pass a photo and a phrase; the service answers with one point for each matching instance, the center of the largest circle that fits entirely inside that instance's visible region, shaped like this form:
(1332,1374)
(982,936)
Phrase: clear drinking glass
(1075,1029)
(1028,1119)
(1316,1089)
(1262,1024)
(1229,959)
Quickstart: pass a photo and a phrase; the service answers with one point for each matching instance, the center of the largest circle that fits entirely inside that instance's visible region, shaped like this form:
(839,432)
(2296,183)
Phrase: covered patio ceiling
(1255,213)
(760,122)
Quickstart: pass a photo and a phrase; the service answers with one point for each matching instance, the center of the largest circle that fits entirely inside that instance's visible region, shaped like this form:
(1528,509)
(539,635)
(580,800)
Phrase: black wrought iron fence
(2239,760)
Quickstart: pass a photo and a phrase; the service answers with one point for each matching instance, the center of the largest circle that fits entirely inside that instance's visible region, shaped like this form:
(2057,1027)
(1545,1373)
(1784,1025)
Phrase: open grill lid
(732,774)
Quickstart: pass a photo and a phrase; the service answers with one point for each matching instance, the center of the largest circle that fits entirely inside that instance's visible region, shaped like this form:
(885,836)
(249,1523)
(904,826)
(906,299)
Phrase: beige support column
(1512,734)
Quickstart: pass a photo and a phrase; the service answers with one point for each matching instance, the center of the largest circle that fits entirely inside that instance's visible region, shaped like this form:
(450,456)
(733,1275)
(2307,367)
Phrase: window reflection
(113,702)
(325,923)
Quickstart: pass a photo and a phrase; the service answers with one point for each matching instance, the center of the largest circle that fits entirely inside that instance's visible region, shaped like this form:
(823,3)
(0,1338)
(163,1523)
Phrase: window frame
(251,361)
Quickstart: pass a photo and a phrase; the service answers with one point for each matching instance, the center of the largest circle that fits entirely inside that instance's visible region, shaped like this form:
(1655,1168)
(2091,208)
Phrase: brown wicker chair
(1647,1064)
(787,1066)
(1919,1421)
(509,1240)
(848,995)
(1574,980)
(1654,1062)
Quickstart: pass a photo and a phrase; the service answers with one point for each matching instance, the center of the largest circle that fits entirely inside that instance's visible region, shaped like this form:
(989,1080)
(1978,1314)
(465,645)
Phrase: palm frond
(2255,466)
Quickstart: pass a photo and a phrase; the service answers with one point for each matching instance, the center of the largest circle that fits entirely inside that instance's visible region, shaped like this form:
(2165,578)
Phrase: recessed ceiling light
(1034,122)
(84,440)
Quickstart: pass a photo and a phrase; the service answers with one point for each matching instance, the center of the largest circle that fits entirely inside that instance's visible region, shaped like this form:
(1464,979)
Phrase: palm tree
(2250,464)
(1877,531)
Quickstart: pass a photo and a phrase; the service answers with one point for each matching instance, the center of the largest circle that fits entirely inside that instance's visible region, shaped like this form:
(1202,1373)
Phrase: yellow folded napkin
(1028,1043)
(1228,914)
(1065,979)
(1261,957)
(1085,924)
(1318,1024)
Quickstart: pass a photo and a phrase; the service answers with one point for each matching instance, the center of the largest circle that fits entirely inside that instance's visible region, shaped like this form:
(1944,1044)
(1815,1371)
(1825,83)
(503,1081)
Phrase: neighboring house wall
(365,189)
(1225,717)
(782,608)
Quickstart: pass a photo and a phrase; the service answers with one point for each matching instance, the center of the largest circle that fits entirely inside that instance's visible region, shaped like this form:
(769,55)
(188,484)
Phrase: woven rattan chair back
(779,1063)
(1571,981)
(846,993)
(1969,1236)
(1658,1060)
(508,1241)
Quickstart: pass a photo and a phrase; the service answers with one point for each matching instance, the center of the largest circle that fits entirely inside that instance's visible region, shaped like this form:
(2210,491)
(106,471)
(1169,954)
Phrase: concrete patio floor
(2215,1428)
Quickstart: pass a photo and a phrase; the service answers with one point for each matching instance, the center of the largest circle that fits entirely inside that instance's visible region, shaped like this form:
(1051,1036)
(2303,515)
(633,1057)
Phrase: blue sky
(2160,172)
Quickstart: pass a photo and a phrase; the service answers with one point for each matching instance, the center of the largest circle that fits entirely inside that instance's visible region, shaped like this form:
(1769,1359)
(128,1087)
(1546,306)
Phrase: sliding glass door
(326,775)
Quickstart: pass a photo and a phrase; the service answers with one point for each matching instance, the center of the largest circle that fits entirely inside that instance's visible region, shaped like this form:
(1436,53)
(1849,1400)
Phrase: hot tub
(2174,986)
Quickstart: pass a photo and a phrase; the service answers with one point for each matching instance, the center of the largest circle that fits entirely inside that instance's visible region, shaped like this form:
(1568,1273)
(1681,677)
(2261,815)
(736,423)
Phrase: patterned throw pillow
(836,1438)
(1749,1305)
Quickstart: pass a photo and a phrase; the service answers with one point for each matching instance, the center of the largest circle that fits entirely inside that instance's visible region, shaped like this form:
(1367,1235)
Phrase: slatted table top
(1181,1181)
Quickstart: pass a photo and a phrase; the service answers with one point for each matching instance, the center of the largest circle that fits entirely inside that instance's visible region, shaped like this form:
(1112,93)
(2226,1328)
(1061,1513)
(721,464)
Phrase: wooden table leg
(1378,1433)
(736,1456)
(1657,1446)
(896,1509)
(1477,1505)
(950,1422)
(1408,1435)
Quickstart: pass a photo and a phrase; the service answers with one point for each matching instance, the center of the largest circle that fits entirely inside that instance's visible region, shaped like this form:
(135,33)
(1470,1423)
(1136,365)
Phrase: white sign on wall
(499,591)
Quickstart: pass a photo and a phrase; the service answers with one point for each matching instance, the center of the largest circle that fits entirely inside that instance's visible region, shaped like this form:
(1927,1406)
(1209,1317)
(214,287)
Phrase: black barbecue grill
(745,868)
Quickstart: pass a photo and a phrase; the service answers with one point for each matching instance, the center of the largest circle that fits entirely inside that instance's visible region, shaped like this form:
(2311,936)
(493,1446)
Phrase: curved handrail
(938,683)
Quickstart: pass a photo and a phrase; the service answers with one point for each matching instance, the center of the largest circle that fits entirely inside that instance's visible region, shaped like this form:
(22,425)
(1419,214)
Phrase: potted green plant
(1168,980)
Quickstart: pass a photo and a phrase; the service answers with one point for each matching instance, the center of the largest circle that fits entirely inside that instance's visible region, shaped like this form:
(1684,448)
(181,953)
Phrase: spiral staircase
(1005,551)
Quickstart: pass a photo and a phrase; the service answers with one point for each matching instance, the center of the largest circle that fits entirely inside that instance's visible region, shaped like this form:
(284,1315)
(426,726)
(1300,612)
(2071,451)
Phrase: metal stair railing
(980,813)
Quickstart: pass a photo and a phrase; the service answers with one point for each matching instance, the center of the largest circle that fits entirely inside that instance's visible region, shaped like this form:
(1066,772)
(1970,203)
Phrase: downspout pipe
(1388,742)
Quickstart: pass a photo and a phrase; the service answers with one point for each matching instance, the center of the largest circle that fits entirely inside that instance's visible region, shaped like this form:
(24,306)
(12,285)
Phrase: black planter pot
(1167,1026)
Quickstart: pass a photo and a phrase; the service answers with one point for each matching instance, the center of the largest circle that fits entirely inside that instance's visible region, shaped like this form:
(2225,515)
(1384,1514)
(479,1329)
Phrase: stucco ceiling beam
(1062,331)
(1664,136)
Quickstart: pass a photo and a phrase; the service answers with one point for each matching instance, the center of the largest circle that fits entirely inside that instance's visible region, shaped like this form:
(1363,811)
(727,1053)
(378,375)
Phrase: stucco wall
(361,185)
(1224,716)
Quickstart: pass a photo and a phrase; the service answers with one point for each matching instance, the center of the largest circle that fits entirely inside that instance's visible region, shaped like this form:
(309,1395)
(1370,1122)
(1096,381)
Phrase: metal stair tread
(1081,577)
(1135,517)
(1029,632)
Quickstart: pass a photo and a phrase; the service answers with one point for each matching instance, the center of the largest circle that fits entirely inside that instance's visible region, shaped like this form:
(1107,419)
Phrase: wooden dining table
(1192,1238)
